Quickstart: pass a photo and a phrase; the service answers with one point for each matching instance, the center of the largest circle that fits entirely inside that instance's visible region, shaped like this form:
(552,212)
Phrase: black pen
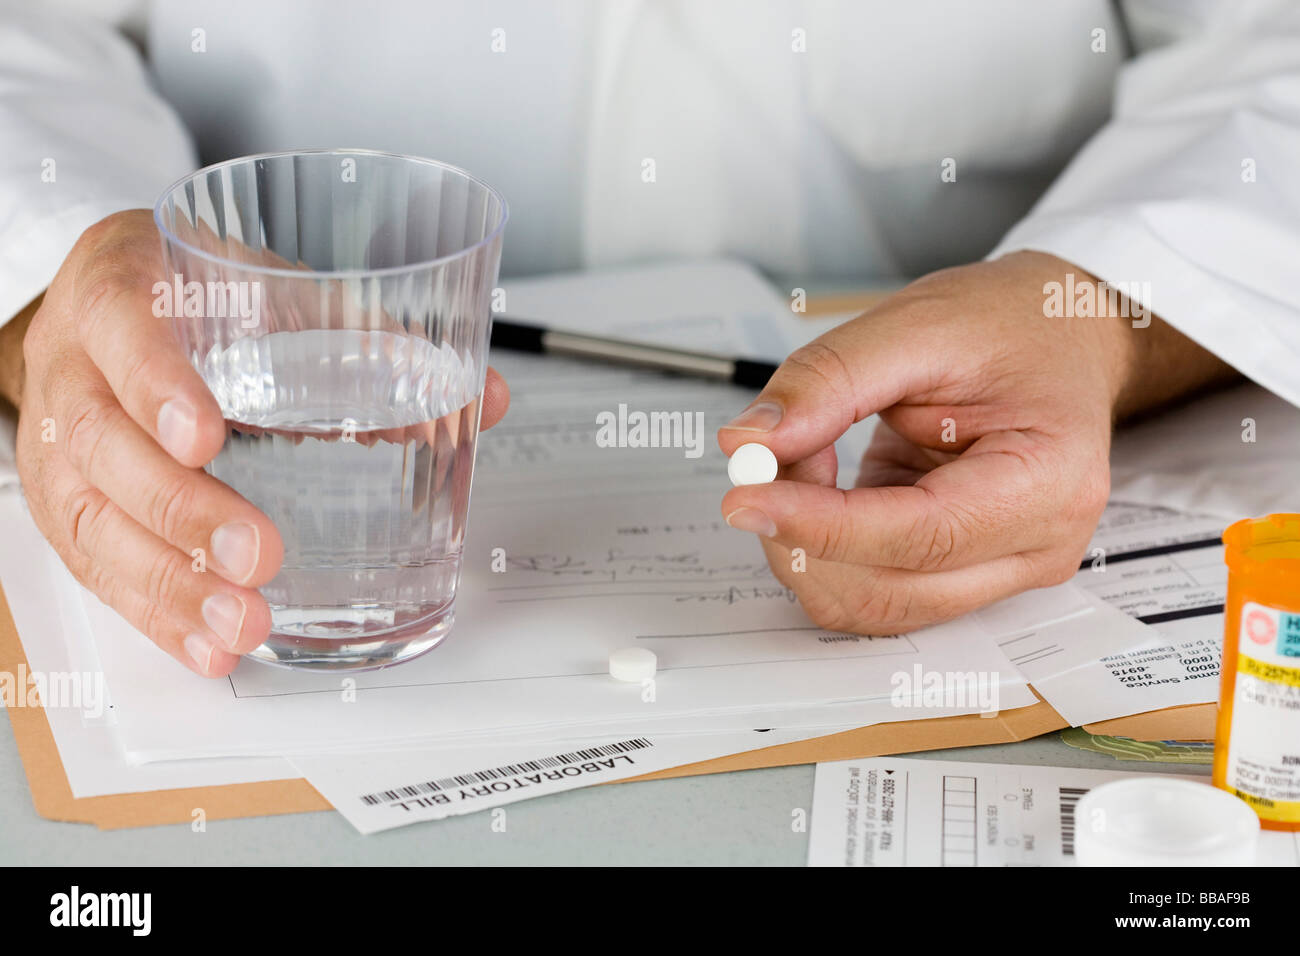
(527,337)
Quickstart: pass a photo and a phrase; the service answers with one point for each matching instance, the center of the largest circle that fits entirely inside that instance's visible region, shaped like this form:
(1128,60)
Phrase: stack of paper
(607,548)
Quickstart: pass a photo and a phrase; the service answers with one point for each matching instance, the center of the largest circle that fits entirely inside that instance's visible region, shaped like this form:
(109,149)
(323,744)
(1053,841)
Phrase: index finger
(822,389)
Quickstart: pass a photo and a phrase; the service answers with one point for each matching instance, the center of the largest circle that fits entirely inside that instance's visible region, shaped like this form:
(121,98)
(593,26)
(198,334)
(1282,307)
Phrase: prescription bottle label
(1264,747)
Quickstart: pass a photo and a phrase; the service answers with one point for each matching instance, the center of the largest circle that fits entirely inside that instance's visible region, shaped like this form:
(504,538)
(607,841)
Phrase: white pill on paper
(633,664)
(752,464)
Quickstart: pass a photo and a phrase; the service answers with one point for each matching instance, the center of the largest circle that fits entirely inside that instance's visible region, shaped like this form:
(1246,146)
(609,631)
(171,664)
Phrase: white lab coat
(808,137)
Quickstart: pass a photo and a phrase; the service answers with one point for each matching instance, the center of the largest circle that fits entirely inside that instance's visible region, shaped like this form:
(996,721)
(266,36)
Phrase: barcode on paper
(509,770)
(1069,799)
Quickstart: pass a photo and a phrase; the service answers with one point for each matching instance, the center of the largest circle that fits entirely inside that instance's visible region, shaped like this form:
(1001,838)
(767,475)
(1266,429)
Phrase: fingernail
(235,548)
(176,420)
(224,613)
(200,650)
(751,519)
(759,417)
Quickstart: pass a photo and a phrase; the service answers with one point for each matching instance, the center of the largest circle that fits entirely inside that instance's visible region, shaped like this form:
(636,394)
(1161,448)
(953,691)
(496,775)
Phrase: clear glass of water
(338,305)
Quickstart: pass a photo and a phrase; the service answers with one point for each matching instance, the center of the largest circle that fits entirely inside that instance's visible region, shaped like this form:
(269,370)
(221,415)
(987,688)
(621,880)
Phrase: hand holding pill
(989,467)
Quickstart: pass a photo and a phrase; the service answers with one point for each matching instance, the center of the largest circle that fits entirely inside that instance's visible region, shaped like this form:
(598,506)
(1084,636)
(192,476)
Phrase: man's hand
(990,466)
(114,429)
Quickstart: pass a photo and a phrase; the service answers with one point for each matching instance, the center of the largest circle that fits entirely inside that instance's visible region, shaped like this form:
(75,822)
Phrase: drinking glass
(337,302)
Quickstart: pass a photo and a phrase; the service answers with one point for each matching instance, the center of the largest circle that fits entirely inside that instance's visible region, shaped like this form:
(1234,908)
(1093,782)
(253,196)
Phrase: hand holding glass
(337,304)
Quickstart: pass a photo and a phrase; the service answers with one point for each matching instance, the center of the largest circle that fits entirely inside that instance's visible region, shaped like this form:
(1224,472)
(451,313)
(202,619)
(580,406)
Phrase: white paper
(1165,571)
(94,761)
(580,523)
(1233,454)
(712,305)
(605,547)
(889,811)
(1157,564)
(1070,689)
(1071,628)
(587,573)
(381,790)
(268,717)
(1180,666)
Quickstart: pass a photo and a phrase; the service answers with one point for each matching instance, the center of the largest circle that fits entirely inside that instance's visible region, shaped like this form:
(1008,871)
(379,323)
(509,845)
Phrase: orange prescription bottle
(1257,739)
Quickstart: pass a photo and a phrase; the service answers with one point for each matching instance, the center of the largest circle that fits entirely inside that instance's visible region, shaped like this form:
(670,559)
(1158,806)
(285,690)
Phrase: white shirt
(810,138)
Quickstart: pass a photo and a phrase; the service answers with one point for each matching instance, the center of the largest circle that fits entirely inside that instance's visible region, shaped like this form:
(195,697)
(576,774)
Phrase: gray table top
(738,818)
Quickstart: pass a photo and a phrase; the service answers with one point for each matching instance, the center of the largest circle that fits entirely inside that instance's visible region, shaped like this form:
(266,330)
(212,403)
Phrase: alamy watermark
(73,690)
(1095,300)
(637,429)
(133,911)
(209,300)
(947,690)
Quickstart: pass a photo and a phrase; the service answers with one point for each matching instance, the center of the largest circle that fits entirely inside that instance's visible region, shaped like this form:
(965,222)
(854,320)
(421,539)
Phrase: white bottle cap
(752,464)
(1162,821)
(633,664)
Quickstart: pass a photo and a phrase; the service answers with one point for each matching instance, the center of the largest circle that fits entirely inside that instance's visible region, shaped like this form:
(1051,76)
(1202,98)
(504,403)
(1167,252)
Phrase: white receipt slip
(892,811)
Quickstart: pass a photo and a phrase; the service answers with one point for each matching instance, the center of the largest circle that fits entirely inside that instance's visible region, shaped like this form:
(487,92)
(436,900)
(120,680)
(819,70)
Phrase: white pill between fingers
(633,664)
(752,464)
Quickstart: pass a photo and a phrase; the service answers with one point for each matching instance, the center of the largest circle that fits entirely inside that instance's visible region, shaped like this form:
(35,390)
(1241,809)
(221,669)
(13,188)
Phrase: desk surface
(738,818)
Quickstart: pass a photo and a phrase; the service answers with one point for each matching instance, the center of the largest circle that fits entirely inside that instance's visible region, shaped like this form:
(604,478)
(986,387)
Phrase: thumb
(817,393)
